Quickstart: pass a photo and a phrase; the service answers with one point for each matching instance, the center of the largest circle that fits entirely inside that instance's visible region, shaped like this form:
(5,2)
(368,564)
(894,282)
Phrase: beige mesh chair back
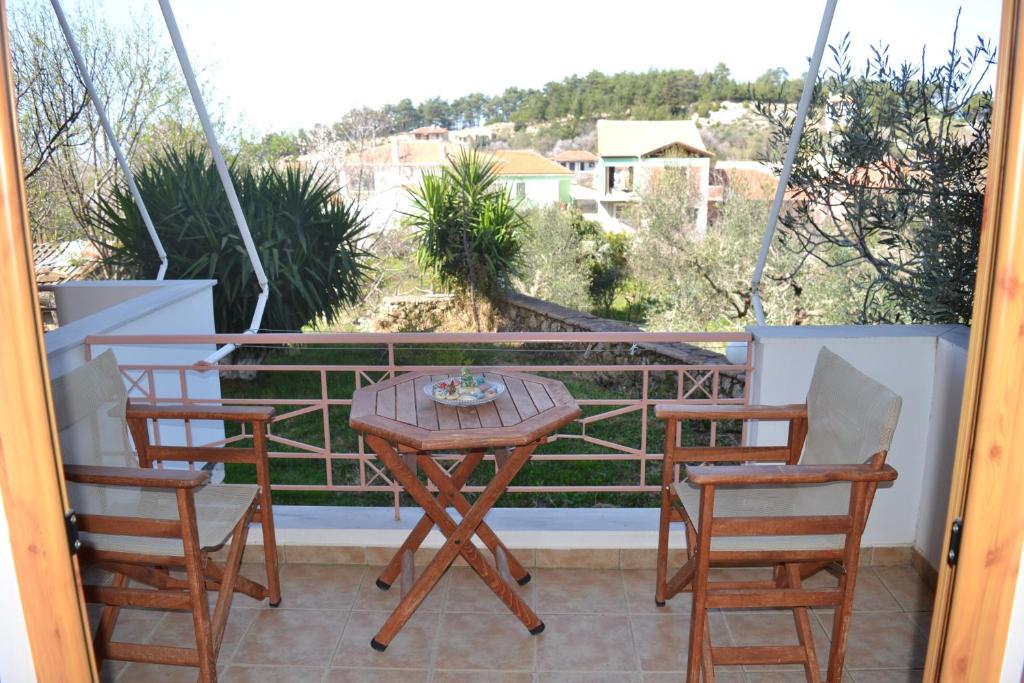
(90,403)
(141,523)
(850,416)
(799,517)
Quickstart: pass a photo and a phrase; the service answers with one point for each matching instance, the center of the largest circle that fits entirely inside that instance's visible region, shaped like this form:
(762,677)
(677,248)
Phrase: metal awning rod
(225,179)
(787,165)
(109,131)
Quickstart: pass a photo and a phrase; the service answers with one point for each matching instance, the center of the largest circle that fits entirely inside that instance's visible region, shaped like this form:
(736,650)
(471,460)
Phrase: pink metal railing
(694,383)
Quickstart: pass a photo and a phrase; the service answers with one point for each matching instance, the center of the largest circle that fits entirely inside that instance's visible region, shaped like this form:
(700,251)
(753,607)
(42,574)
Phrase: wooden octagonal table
(405,427)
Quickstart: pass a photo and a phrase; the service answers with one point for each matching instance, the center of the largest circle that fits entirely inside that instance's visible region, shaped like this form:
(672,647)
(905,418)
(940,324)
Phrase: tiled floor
(602,625)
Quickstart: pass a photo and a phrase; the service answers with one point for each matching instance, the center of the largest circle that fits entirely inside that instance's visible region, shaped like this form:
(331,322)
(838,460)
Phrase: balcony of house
(581,516)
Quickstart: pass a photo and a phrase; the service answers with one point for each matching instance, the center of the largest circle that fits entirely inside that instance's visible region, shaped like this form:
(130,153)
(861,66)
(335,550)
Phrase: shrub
(308,239)
(467,227)
(556,256)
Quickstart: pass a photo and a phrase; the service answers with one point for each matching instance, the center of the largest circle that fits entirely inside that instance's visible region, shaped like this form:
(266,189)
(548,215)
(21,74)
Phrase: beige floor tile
(640,587)
(786,677)
(721,676)
(908,588)
(299,637)
(484,641)
(889,676)
(587,677)
(158,673)
(594,642)
(410,649)
(774,628)
(884,640)
(376,676)
(133,625)
(320,586)
(923,621)
(176,629)
(580,590)
(662,641)
(240,673)
(325,554)
(578,558)
(870,595)
(372,598)
(468,593)
(482,677)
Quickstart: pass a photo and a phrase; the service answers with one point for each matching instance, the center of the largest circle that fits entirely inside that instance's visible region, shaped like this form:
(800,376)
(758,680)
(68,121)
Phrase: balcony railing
(634,374)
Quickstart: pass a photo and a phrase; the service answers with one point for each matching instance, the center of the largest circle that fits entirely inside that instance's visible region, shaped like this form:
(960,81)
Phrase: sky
(285,65)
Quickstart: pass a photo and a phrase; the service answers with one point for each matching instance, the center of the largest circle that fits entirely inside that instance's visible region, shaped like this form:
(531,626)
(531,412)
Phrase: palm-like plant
(468,228)
(309,241)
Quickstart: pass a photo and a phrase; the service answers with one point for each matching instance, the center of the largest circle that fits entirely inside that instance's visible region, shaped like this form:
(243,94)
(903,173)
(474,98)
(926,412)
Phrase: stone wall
(521,313)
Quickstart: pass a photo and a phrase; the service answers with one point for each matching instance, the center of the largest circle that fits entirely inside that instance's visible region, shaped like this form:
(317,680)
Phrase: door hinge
(955,532)
(71,527)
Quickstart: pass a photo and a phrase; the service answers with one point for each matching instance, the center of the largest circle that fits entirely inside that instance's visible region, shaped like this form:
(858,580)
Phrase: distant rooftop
(526,162)
(645,138)
(575,155)
(429,130)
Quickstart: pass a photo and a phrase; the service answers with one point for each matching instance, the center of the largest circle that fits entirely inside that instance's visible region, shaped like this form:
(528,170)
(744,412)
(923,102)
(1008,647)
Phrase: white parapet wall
(103,307)
(925,365)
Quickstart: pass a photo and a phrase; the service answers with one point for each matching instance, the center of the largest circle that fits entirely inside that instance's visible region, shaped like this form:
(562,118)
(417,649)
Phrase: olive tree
(890,176)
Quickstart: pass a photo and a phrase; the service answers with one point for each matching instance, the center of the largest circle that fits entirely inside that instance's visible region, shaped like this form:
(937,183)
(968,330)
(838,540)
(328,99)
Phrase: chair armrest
(134,476)
(756,475)
(669,411)
(199,412)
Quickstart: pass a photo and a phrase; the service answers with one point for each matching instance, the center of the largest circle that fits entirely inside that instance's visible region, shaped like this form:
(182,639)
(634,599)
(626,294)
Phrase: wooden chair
(797,518)
(140,523)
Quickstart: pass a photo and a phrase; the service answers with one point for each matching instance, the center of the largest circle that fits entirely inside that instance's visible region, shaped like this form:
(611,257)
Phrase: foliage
(653,94)
(309,241)
(557,255)
(745,138)
(270,148)
(892,171)
(609,270)
(702,282)
(67,161)
(468,229)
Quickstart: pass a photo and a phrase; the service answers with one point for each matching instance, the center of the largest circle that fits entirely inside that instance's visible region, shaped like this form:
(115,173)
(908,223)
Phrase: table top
(399,410)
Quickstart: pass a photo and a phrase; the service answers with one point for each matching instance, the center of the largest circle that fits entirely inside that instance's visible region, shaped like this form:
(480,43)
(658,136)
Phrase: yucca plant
(468,229)
(310,242)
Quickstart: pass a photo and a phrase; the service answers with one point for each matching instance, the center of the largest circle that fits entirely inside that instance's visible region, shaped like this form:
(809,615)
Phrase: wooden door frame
(31,478)
(975,597)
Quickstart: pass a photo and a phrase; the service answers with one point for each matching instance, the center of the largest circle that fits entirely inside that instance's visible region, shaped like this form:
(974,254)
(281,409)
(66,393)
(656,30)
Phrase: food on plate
(465,388)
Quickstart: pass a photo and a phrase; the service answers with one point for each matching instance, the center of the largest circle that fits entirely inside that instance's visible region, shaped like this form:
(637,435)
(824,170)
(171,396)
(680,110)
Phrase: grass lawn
(308,428)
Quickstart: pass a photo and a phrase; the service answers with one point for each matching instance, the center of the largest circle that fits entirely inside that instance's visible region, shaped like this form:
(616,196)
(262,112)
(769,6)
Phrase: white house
(632,153)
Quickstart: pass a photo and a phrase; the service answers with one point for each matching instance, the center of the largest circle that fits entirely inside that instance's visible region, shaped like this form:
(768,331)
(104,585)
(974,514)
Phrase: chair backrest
(850,416)
(90,406)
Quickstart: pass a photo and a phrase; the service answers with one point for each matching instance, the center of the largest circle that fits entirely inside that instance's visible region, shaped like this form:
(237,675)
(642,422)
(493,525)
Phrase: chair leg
(196,576)
(803,627)
(663,533)
(707,661)
(698,616)
(266,513)
(841,623)
(108,620)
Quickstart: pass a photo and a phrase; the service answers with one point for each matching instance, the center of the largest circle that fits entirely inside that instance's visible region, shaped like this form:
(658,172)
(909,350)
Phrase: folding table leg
(459,542)
(449,488)
(412,542)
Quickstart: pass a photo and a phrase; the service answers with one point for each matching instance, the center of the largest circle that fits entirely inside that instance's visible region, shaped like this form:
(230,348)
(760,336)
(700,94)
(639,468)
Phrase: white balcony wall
(141,307)
(922,363)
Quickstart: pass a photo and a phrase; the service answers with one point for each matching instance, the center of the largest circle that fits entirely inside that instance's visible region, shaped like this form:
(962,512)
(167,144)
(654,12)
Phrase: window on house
(520,190)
